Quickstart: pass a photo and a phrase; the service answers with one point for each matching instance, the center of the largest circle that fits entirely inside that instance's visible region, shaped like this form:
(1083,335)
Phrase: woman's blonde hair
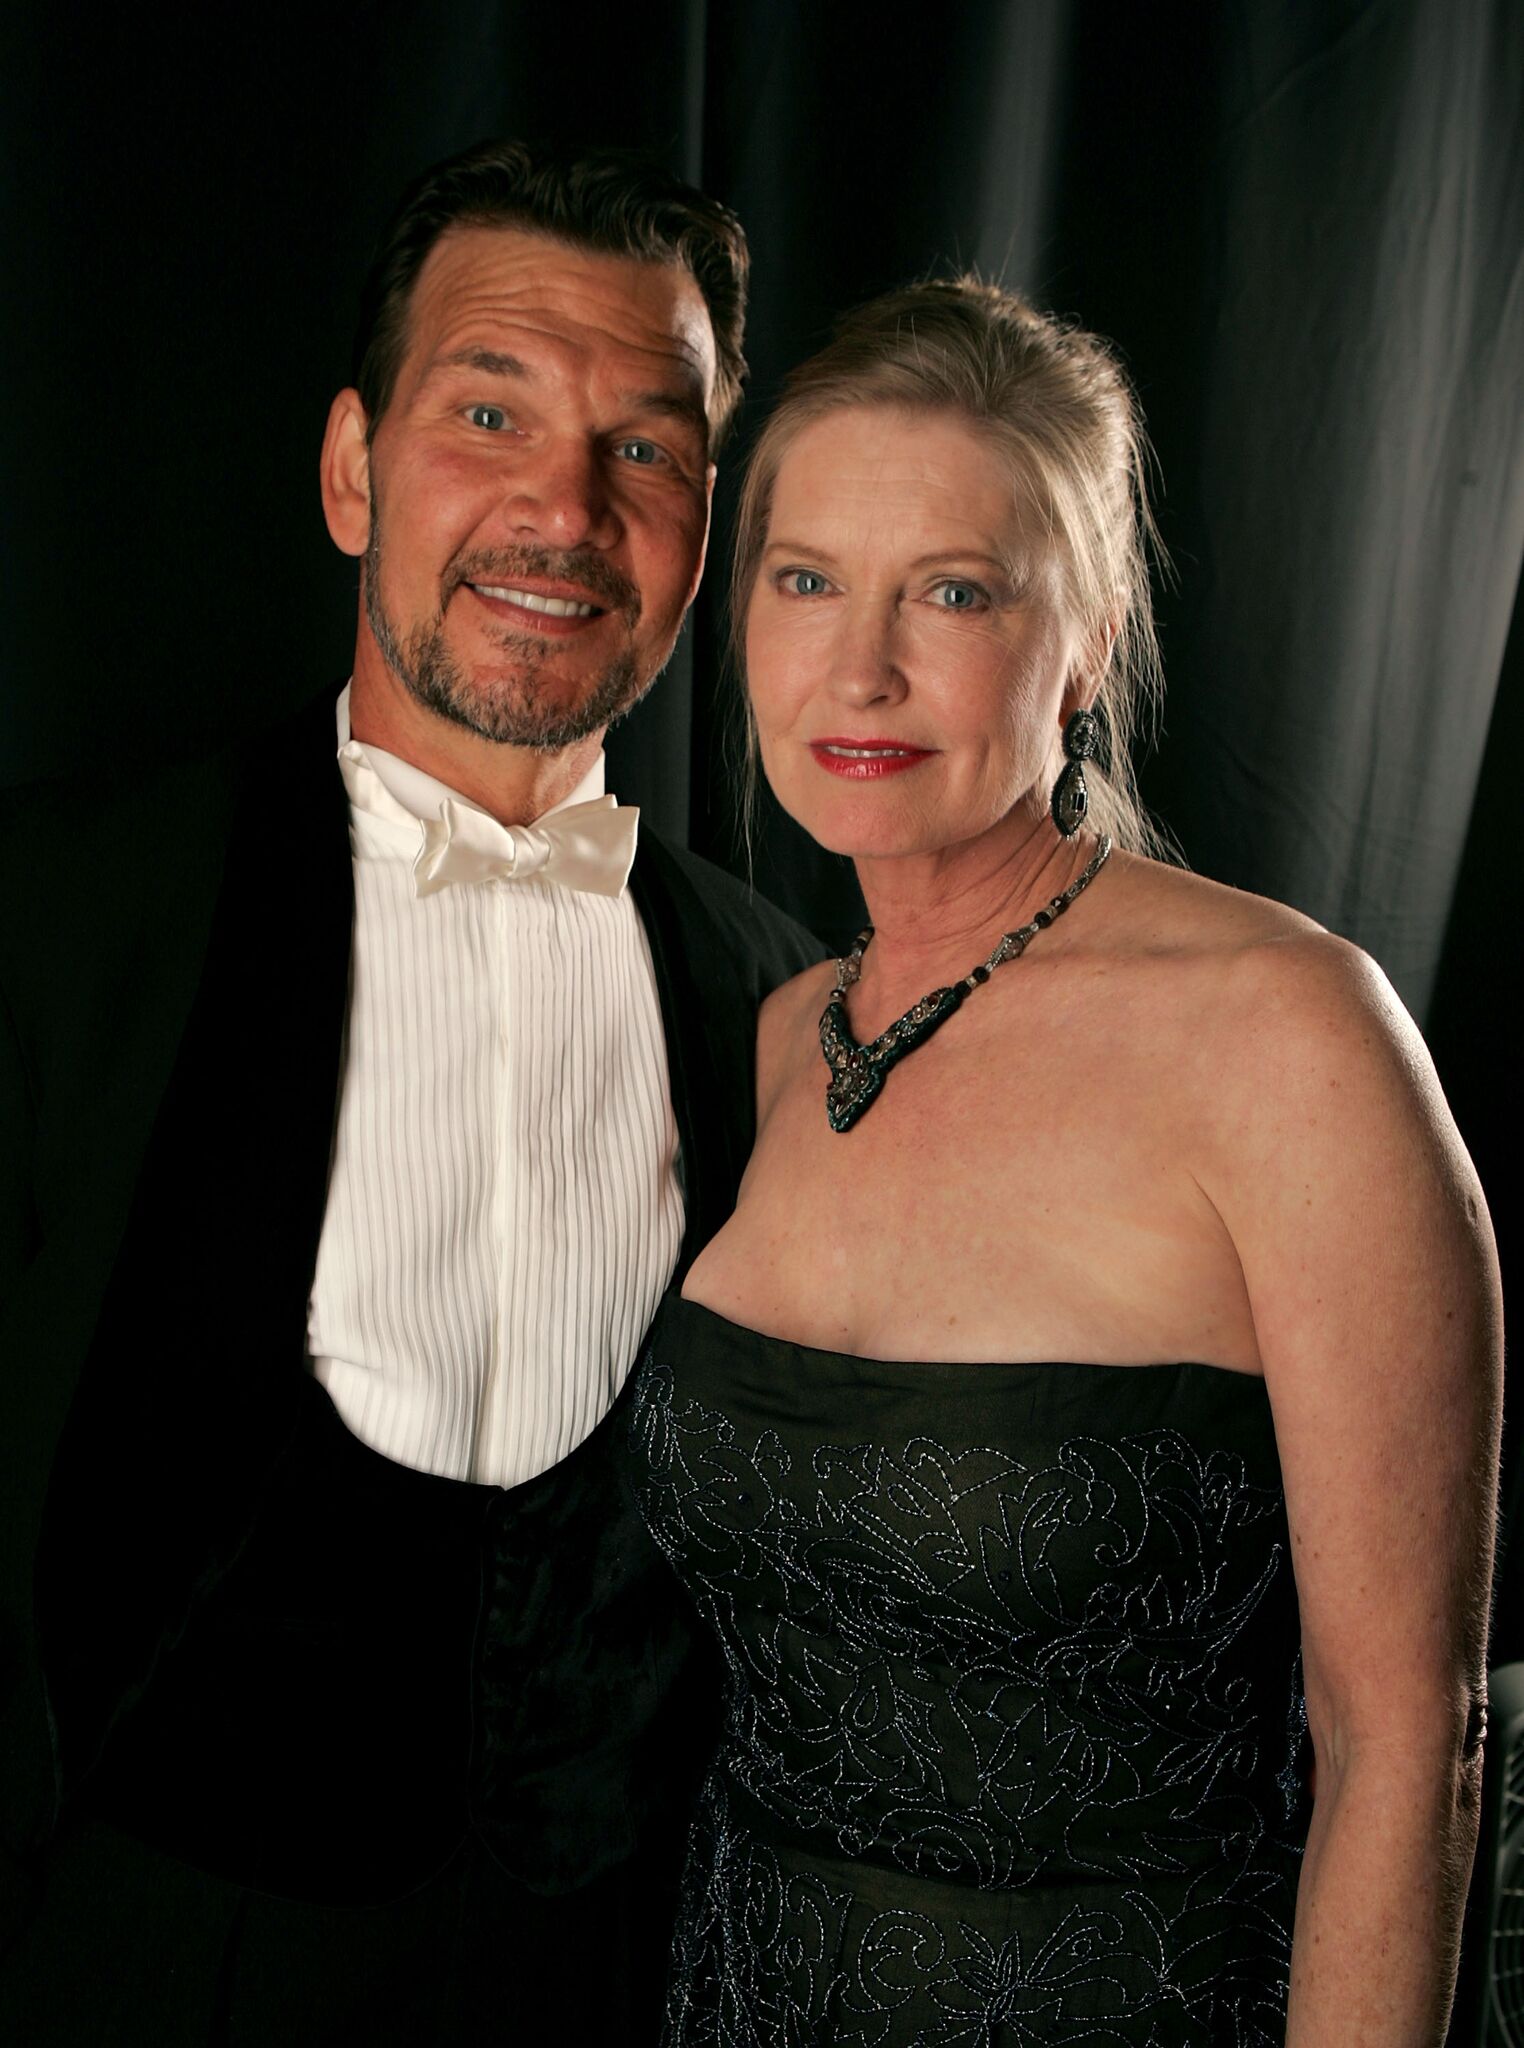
(1054,402)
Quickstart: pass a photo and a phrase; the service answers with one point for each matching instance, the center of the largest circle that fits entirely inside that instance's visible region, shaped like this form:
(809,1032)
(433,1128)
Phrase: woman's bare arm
(1368,1259)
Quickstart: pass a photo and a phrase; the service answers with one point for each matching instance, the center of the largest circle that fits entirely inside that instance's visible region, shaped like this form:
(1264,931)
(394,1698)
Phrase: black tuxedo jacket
(174,972)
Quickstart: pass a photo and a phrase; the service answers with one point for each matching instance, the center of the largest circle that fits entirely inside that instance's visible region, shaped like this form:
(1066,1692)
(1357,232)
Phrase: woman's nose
(865,668)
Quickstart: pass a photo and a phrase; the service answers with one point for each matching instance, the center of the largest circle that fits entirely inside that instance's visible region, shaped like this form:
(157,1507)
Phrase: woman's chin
(871,838)
(863,831)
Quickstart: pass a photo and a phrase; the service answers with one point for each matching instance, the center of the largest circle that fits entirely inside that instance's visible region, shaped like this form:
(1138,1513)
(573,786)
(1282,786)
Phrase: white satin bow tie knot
(587,846)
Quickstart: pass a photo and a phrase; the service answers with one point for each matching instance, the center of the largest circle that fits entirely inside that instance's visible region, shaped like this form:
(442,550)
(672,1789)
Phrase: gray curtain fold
(1357,471)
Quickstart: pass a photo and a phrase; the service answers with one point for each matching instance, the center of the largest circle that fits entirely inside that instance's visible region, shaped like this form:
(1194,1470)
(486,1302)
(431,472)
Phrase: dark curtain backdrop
(1301,223)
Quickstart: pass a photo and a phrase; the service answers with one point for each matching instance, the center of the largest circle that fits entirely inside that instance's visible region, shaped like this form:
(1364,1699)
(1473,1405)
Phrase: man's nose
(561,497)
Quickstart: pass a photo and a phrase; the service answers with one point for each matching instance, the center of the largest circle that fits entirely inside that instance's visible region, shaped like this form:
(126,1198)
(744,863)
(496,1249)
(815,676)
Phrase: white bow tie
(587,846)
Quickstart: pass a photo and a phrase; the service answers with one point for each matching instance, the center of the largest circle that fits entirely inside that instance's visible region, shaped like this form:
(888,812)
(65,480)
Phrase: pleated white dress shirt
(503,1206)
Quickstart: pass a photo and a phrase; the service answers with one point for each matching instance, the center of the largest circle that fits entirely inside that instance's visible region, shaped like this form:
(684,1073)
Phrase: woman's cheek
(779,674)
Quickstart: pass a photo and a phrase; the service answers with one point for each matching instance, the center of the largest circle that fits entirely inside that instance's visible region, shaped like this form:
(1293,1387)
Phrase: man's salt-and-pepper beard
(505,709)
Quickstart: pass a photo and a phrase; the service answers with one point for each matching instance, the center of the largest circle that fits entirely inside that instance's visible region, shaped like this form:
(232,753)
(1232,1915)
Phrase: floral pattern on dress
(1012,1749)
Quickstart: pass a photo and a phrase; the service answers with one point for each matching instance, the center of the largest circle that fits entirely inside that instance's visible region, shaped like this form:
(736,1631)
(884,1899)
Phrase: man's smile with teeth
(557,607)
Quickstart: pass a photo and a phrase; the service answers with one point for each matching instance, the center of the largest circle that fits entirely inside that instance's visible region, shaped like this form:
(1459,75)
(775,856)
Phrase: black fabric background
(1302,221)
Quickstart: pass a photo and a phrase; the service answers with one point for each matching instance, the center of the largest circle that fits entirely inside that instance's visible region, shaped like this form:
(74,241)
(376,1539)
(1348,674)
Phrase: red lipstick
(866,760)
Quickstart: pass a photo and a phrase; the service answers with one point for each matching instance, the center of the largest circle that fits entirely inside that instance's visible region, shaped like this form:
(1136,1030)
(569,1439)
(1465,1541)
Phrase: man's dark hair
(614,202)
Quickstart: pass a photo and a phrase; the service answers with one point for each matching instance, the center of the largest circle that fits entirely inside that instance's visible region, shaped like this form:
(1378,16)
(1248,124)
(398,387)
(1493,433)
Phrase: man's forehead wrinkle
(489,280)
(662,379)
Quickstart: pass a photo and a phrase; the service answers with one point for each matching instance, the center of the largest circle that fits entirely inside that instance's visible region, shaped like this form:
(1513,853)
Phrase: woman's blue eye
(959,597)
(643,452)
(804,582)
(490,417)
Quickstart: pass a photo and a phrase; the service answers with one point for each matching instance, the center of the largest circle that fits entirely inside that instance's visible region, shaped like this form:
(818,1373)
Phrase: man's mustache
(603,585)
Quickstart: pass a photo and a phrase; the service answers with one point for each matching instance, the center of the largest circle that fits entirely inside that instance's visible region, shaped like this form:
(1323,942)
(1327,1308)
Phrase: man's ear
(344,472)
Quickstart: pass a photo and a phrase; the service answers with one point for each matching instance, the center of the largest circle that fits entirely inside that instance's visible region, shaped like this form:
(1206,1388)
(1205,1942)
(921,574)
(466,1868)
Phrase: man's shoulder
(717,910)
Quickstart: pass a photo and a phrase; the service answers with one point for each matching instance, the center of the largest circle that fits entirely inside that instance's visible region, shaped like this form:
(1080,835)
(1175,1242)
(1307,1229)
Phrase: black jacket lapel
(718,951)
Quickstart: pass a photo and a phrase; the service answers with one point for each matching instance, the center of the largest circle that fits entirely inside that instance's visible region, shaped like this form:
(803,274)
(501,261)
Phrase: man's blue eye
(643,452)
(491,417)
(804,582)
(958,597)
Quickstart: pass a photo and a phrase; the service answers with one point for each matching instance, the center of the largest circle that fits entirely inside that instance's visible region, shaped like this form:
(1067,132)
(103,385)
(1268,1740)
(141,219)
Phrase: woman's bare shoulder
(1175,910)
(1270,1006)
(786,1021)
(807,992)
(1246,955)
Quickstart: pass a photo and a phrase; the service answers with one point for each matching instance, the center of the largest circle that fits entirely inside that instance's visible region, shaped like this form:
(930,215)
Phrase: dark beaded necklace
(858,1072)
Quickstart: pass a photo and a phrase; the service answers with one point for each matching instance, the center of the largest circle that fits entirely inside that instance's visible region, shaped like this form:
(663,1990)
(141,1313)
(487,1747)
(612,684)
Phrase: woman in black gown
(1079,1439)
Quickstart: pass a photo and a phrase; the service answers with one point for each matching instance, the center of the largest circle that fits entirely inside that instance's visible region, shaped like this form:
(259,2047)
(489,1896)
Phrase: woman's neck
(935,915)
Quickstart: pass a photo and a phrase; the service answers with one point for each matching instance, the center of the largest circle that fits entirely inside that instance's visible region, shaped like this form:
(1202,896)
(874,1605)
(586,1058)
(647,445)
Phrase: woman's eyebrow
(1000,563)
(799,547)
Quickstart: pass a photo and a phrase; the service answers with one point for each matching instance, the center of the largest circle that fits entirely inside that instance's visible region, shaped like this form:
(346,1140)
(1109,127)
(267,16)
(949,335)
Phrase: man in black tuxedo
(356,1113)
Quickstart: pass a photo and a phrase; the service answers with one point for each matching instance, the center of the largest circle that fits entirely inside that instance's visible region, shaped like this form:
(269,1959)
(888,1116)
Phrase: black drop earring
(1071,799)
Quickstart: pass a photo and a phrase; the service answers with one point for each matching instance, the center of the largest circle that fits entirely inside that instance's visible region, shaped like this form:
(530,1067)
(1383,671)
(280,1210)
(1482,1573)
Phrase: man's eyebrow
(672,405)
(492,362)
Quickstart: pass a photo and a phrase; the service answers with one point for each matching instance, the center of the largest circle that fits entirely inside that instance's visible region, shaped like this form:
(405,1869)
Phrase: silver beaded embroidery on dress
(1014,1749)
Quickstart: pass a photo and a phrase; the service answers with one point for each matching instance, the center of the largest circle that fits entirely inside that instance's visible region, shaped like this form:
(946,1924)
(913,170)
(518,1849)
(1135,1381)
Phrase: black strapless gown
(1014,1747)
